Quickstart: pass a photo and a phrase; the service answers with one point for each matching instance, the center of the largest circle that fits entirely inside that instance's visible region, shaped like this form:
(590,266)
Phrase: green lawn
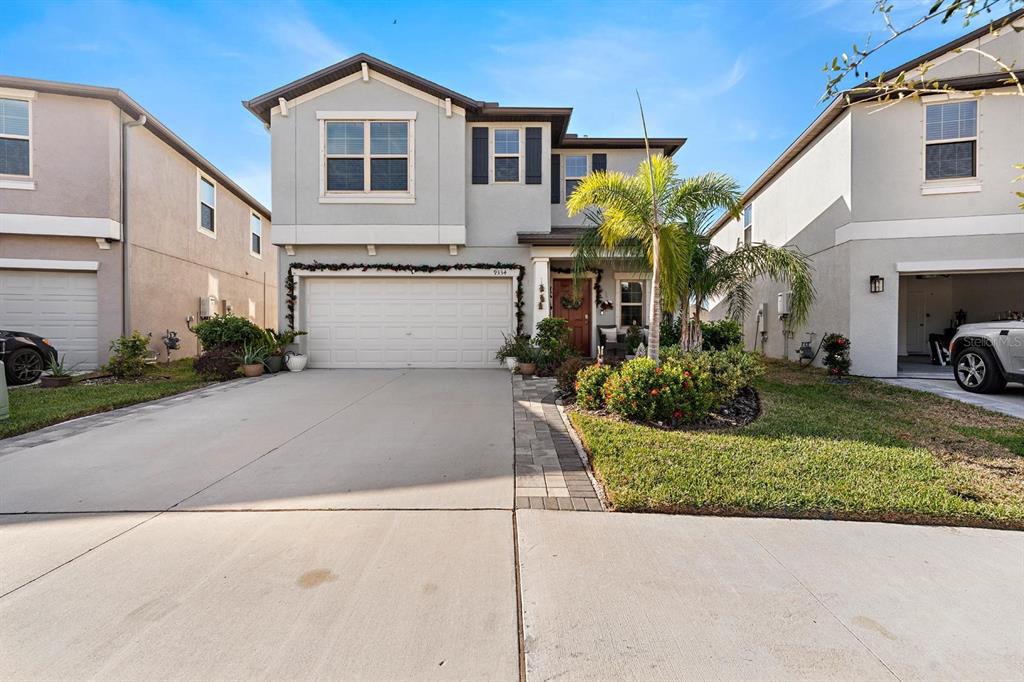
(33,407)
(866,450)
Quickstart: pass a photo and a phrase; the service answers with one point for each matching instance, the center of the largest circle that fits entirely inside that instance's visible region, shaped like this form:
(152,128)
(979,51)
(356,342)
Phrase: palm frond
(735,272)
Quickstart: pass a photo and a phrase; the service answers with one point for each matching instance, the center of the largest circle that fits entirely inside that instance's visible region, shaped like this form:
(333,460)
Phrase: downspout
(124,219)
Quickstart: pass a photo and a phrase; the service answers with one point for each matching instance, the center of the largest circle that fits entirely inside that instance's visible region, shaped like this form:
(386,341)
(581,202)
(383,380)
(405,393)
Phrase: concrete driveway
(359,525)
(1009,402)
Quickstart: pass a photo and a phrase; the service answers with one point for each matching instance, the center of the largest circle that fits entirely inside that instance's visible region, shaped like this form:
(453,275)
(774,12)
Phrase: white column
(541,290)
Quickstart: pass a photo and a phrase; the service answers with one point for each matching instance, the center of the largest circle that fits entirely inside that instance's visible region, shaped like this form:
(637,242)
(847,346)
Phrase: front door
(574,307)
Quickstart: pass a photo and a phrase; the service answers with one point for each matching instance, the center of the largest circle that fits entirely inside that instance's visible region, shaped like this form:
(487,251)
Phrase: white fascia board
(59,226)
(964,265)
(357,77)
(1006,223)
(40,264)
(365,115)
(368,234)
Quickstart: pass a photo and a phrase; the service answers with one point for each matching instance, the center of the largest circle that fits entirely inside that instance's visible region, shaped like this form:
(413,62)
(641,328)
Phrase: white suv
(986,355)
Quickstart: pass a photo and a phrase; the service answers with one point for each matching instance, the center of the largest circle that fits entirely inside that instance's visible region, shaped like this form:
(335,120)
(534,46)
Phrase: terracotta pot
(274,363)
(252,370)
(527,368)
(54,382)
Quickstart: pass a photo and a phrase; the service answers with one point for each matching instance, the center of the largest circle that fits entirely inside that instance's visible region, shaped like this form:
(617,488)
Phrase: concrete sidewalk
(1009,402)
(623,596)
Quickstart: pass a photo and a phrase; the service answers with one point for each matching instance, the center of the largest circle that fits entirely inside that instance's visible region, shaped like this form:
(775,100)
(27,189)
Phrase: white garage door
(60,306)
(406,321)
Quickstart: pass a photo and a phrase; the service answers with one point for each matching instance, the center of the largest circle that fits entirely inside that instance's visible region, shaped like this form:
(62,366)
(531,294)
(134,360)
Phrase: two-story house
(419,225)
(907,210)
(109,222)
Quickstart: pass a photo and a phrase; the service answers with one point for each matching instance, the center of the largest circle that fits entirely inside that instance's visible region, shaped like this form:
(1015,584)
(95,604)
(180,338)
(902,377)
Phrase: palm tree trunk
(654,335)
(698,333)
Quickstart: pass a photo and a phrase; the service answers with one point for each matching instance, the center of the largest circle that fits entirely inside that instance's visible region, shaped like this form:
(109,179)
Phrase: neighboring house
(449,202)
(109,222)
(907,210)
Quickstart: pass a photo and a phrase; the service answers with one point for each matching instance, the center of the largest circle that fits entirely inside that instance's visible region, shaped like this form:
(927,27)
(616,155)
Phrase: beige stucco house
(419,225)
(109,222)
(908,212)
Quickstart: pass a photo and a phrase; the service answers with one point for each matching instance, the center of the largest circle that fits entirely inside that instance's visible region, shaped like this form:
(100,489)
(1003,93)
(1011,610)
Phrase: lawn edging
(584,456)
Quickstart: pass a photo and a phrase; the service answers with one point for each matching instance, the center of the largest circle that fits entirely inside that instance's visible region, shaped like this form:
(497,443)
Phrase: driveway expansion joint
(550,474)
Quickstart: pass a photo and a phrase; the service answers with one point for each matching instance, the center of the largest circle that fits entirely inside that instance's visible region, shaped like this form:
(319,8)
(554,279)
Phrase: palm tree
(715,273)
(643,219)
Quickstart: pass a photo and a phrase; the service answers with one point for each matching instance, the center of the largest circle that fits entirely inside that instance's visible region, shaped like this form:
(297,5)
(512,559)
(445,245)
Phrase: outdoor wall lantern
(877,284)
(540,298)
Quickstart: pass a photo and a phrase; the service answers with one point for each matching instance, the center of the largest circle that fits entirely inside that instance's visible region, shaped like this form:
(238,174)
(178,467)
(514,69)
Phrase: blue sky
(740,79)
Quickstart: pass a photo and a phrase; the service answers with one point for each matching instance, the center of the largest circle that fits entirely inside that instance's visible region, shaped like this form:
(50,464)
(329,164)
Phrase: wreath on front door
(571,303)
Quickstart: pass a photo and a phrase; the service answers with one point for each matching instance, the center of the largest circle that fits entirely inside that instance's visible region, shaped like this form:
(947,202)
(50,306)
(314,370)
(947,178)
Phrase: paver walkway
(549,471)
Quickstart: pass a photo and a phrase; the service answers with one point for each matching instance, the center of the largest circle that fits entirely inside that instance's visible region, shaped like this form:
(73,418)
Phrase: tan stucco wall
(75,157)
(81,249)
(172,264)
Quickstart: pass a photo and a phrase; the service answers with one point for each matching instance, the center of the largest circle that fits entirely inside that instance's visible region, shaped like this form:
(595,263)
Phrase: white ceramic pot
(511,364)
(296,362)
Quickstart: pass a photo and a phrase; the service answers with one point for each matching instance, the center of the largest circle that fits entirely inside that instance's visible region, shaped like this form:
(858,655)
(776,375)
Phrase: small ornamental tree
(837,355)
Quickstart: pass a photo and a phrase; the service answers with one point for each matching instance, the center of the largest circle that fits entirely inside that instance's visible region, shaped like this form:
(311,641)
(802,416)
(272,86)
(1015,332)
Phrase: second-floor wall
(575,163)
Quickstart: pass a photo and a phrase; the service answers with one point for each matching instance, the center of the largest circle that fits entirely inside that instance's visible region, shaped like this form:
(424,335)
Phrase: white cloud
(298,35)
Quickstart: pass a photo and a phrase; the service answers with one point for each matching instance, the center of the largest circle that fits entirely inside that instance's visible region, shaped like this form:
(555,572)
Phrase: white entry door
(406,321)
(60,306)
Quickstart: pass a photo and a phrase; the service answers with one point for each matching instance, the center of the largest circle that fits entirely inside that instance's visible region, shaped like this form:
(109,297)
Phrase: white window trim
(11,180)
(200,176)
(254,214)
(630,277)
(565,173)
(368,196)
(521,155)
(966,183)
(746,225)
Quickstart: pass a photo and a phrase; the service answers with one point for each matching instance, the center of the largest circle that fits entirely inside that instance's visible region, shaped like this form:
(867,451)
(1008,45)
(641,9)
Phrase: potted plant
(634,337)
(279,342)
(295,362)
(511,349)
(57,374)
(252,357)
(527,356)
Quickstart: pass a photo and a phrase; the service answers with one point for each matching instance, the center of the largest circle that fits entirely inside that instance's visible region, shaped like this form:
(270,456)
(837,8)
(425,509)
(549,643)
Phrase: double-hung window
(631,303)
(951,140)
(575,171)
(255,234)
(207,206)
(748,225)
(506,155)
(367,157)
(15,142)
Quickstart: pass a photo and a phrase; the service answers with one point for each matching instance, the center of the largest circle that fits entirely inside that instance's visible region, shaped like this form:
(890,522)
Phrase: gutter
(125,299)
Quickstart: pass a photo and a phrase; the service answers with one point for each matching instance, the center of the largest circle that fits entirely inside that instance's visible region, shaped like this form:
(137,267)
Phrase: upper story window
(575,170)
(367,159)
(15,142)
(506,155)
(951,140)
(207,206)
(748,225)
(255,234)
(631,303)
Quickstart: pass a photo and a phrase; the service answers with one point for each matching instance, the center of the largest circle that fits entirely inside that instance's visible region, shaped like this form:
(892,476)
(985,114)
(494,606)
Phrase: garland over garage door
(406,321)
(60,306)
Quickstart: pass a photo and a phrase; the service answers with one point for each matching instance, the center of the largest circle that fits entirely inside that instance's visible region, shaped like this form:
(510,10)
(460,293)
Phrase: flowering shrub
(837,354)
(565,375)
(685,389)
(128,356)
(590,386)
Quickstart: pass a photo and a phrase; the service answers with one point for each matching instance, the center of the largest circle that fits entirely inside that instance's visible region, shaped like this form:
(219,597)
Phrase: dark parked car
(25,356)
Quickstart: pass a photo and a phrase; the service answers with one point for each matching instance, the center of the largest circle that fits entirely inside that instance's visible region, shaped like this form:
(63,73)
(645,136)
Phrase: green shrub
(669,353)
(590,383)
(220,364)
(671,330)
(718,376)
(634,337)
(565,375)
(633,392)
(128,356)
(552,340)
(721,335)
(228,331)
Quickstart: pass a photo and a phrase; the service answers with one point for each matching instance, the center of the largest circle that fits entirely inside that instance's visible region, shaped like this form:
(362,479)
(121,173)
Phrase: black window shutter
(556,178)
(479,156)
(598,162)
(533,154)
